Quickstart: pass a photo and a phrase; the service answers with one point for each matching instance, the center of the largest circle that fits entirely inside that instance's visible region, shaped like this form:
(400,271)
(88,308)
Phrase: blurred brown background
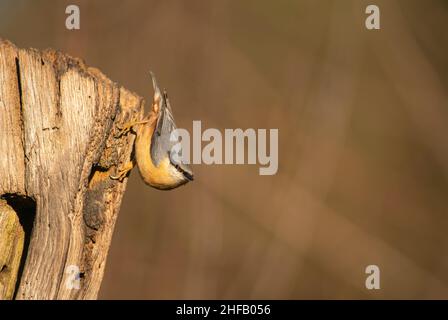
(363,154)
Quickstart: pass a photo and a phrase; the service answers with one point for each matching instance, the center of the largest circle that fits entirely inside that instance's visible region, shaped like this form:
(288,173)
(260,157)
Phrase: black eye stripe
(179,168)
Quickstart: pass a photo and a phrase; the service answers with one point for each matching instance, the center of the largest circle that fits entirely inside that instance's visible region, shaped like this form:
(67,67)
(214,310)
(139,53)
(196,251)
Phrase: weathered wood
(11,246)
(57,147)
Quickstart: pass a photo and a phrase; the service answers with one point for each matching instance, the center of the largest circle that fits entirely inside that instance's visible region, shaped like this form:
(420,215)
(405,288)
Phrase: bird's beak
(189,175)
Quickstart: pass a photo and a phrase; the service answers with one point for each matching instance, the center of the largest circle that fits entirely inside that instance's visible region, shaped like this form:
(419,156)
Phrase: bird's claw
(123,172)
(121,175)
(123,130)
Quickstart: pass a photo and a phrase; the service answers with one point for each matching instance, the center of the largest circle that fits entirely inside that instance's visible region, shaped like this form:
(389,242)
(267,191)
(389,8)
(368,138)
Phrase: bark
(58,120)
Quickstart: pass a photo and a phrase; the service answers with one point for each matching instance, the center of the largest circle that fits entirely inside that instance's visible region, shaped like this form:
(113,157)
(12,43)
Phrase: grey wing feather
(161,144)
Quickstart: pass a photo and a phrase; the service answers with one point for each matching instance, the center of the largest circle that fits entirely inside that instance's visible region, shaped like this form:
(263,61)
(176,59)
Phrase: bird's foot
(127,127)
(123,172)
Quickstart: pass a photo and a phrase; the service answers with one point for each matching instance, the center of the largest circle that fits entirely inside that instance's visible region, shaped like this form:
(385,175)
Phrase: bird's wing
(161,143)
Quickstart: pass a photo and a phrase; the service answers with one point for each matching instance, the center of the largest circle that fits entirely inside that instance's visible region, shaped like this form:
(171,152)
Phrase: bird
(153,144)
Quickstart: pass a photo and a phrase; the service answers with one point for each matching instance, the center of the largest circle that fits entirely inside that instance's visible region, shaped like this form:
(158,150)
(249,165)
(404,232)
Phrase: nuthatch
(153,146)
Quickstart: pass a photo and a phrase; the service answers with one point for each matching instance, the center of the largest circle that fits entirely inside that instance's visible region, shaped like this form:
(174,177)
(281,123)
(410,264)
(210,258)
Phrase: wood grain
(57,147)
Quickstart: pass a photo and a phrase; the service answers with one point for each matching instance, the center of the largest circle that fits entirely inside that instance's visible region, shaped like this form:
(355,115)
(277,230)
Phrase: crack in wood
(64,114)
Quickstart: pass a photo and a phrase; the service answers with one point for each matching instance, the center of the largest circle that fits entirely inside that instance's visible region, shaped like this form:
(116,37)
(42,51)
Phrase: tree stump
(58,121)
